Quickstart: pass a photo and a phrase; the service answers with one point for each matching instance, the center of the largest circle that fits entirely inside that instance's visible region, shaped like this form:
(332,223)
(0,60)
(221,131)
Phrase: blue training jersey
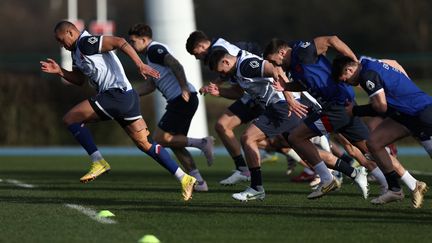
(313,71)
(400,91)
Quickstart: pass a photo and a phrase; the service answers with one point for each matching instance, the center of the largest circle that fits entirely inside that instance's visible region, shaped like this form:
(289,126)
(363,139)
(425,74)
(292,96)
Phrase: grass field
(146,200)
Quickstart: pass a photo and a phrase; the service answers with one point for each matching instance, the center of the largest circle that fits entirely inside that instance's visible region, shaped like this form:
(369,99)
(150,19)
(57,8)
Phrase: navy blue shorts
(116,104)
(246,112)
(179,114)
(333,118)
(420,125)
(275,120)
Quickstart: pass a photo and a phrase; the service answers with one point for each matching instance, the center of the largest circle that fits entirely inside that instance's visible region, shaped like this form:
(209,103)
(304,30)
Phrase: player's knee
(220,127)
(67,119)
(373,145)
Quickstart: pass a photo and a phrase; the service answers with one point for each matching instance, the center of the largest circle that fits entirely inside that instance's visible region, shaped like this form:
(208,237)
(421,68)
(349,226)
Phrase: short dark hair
(274,46)
(63,25)
(194,38)
(214,58)
(141,30)
(339,64)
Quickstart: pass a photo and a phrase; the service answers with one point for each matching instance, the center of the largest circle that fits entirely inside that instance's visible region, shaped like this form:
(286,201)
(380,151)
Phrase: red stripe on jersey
(326,122)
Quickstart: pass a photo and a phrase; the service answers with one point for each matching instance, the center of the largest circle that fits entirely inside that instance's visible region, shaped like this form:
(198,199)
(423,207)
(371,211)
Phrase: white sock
(409,180)
(308,171)
(195,142)
(96,156)
(322,170)
(243,168)
(195,173)
(293,155)
(179,174)
(379,176)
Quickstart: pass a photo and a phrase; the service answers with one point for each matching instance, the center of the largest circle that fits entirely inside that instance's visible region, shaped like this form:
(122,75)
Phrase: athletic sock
(83,136)
(409,180)
(195,173)
(179,174)
(345,168)
(308,171)
(322,170)
(379,176)
(159,153)
(293,156)
(345,157)
(96,156)
(195,142)
(392,181)
(256,179)
(239,161)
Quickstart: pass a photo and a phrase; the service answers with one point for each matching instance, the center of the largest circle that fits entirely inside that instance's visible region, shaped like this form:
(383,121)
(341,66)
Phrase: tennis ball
(149,239)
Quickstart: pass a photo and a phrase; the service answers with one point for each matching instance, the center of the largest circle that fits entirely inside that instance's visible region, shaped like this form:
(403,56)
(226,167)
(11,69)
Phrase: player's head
(66,34)
(275,51)
(197,44)
(346,70)
(222,62)
(140,36)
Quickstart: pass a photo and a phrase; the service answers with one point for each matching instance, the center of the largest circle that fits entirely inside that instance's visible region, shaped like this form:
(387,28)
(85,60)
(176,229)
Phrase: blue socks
(159,153)
(83,136)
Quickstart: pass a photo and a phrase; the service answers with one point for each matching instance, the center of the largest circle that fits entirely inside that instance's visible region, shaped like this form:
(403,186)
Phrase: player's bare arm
(322,44)
(231,92)
(179,73)
(379,102)
(110,43)
(280,77)
(147,87)
(75,76)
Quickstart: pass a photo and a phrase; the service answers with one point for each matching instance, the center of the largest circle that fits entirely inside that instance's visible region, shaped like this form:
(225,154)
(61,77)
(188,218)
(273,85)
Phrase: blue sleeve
(371,82)
(306,52)
(156,54)
(251,67)
(90,45)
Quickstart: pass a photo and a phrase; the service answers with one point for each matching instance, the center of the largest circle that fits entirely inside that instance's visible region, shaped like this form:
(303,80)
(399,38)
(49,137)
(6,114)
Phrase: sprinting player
(254,76)
(182,102)
(242,111)
(93,58)
(311,71)
(408,111)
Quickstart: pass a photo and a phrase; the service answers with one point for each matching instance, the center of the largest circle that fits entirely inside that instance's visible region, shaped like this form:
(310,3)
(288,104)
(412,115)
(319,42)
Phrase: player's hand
(185,94)
(348,108)
(277,85)
(50,66)
(213,89)
(298,108)
(147,70)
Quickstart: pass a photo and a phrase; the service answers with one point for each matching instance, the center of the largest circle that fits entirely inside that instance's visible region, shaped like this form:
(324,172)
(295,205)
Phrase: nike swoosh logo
(254,196)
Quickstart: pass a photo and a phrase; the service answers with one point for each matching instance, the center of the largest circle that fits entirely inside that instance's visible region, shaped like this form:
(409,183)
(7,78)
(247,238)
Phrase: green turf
(146,200)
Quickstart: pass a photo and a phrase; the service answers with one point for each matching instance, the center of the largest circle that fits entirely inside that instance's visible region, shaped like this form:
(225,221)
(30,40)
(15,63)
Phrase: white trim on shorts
(103,110)
(132,118)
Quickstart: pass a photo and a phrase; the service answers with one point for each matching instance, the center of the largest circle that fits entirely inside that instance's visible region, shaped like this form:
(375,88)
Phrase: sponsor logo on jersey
(305,44)
(370,85)
(254,64)
(160,51)
(92,40)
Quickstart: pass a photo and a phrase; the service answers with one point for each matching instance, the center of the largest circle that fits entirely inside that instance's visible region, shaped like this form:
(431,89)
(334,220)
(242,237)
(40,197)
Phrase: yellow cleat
(417,195)
(98,168)
(187,183)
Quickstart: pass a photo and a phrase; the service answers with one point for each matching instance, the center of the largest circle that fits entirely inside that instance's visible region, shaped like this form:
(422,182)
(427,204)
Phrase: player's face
(138,43)
(224,67)
(200,51)
(349,75)
(276,59)
(66,39)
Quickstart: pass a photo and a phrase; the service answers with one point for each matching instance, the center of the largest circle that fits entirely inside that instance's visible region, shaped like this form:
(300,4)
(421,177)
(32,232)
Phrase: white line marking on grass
(91,214)
(416,172)
(19,183)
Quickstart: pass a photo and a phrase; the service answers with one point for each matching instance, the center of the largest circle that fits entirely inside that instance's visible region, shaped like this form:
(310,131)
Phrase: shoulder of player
(251,67)
(89,45)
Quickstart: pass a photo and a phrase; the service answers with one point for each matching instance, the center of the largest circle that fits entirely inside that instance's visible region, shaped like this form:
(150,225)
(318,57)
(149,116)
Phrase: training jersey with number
(400,91)
(249,75)
(103,69)
(167,84)
(313,72)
